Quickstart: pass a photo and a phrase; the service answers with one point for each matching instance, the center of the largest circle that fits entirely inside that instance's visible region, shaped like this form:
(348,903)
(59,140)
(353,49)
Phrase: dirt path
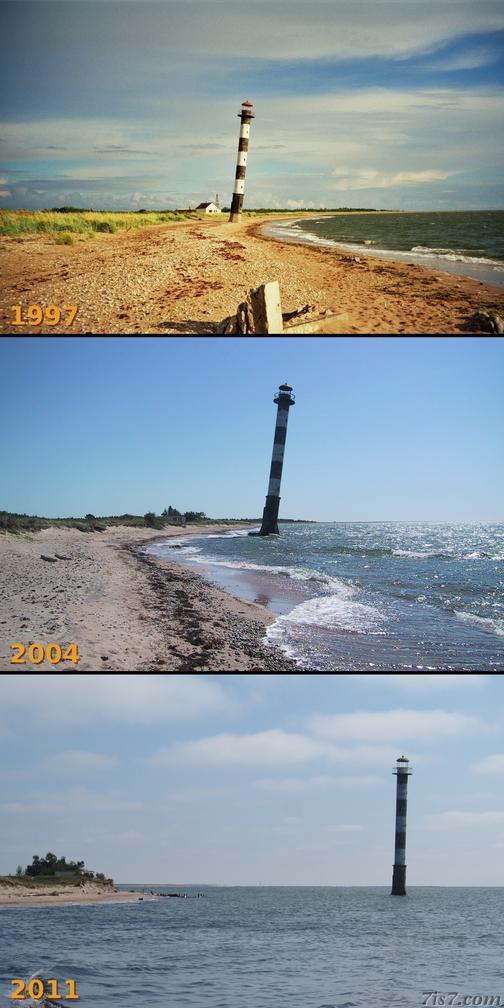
(180,278)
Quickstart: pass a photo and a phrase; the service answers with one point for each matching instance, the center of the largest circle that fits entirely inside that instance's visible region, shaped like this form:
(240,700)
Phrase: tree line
(51,864)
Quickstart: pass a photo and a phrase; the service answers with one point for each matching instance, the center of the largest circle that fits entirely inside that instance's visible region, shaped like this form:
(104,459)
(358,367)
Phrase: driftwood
(483,321)
(261,314)
(305,310)
(48,558)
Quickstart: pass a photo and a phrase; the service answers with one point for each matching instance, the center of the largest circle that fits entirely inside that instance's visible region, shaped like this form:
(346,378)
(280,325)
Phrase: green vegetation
(17,523)
(62,223)
(52,864)
(22,523)
(46,871)
(67,224)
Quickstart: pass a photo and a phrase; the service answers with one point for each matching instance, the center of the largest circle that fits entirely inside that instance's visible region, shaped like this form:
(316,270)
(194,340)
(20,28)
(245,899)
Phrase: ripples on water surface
(265,948)
(369,595)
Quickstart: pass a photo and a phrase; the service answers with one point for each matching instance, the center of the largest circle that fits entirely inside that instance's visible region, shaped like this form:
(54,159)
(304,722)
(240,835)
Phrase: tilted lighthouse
(284,399)
(246,115)
(402,771)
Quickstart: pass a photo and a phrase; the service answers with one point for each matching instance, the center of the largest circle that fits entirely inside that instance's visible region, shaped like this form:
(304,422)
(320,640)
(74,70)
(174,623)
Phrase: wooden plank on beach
(266,308)
(313,327)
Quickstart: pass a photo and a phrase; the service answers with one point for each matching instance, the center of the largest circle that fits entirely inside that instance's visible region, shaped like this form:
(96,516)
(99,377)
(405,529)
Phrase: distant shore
(60,895)
(124,610)
(186,277)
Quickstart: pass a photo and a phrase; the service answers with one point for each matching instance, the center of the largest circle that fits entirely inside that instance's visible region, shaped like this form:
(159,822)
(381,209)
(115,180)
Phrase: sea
(470,243)
(266,947)
(359,596)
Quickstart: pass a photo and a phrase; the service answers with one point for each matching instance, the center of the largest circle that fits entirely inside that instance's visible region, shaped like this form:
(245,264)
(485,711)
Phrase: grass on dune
(65,227)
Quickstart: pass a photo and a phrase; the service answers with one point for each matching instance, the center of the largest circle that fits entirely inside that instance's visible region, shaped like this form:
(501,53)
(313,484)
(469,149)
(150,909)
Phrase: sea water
(266,947)
(470,243)
(352,596)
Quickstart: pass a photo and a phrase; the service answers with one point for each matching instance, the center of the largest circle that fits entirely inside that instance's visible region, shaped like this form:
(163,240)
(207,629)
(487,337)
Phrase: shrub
(107,226)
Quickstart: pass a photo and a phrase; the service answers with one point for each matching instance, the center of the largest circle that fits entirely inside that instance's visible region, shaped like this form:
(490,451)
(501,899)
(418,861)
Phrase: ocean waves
(339,611)
(456,255)
(495,626)
(385,551)
(380,595)
(469,243)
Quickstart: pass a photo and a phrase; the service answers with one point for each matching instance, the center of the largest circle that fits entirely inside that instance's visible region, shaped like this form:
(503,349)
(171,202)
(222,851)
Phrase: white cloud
(454,819)
(76,800)
(131,698)
(477,56)
(320,782)
(297,30)
(5,193)
(73,760)
(371,179)
(490,764)
(390,725)
(425,681)
(273,747)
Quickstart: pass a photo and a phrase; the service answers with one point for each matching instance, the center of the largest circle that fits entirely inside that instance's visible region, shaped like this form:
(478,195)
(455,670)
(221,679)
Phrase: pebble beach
(187,277)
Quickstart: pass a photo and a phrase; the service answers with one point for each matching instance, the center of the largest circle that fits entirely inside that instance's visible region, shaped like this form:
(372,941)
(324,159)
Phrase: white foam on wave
(415,554)
(162,548)
(295,573)
(456,256)
(336,611)
(226,535)
(495,626)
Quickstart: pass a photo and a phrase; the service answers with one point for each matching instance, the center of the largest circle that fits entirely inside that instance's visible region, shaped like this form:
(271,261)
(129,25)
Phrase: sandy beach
(61,895)
(184,278)
(125,611)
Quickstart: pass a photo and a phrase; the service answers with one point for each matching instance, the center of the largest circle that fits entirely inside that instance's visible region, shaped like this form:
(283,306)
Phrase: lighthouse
(402,771)
(245,115)
(284,400)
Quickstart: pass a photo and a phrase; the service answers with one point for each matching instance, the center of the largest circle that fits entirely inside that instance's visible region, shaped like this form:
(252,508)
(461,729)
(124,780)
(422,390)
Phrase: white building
(208,208)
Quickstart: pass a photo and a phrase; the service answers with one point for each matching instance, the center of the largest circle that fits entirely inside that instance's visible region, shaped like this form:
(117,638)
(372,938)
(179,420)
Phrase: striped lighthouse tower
(402,772)
(245,115)
(284,399)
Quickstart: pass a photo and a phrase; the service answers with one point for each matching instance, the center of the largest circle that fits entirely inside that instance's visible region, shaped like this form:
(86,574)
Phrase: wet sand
(185,278)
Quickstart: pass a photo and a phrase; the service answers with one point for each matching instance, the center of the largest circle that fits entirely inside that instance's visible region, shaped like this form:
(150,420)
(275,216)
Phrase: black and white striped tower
(402,772)
(246,115)
(284,400)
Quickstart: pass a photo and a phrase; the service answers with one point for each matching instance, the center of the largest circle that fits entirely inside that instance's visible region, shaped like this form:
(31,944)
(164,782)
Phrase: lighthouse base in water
(269,524)
(399,880)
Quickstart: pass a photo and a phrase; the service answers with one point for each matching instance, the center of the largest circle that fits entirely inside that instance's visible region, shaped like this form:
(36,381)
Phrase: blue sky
(120,104)
(384,428)
(254,778)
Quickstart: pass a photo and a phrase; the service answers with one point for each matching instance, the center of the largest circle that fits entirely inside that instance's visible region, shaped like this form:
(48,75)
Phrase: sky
(254,778)
(383,429)
(132,104)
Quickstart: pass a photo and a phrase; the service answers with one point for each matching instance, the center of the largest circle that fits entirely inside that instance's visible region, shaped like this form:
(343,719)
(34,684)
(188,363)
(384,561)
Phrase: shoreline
(126,611)
(186,278)
(482,272)
(12,896)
